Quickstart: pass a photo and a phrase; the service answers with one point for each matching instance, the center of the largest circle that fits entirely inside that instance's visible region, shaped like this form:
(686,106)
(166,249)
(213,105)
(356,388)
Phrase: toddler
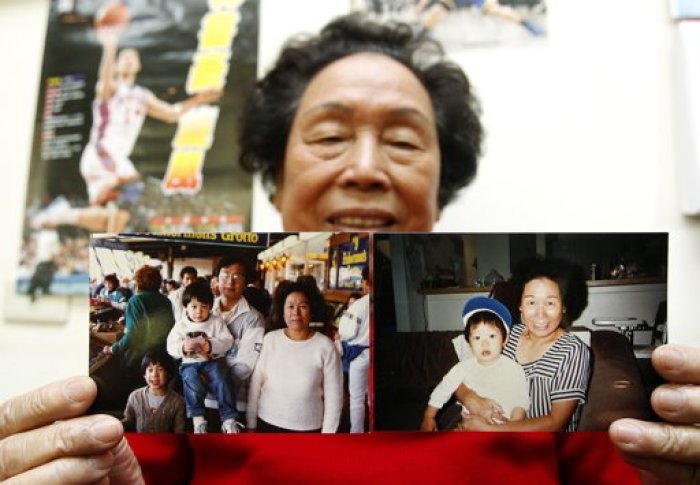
(488,373)
(201,340)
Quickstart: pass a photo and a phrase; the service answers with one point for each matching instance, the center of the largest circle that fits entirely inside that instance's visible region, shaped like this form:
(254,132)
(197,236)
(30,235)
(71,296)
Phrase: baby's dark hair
(199,291)
(488,318)
(159,357)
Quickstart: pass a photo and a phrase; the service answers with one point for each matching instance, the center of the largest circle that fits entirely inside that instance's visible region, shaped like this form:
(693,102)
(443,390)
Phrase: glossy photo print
(231,332)
(136,128)
(487,332)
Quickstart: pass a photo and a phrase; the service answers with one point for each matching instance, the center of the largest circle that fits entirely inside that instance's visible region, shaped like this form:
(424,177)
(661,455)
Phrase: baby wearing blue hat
(488,373)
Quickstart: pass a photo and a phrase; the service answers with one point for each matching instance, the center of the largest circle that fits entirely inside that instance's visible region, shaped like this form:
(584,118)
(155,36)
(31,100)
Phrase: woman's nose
(365,168)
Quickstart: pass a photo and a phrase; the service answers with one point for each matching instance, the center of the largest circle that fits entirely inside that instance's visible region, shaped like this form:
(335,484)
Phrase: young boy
(155,408)
(201,340)
(487,373)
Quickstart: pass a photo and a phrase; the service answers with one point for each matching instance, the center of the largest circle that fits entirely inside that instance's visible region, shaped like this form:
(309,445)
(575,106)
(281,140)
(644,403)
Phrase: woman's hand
(486,408)
(472,422)
(44,438)
(667,452)
(429,424)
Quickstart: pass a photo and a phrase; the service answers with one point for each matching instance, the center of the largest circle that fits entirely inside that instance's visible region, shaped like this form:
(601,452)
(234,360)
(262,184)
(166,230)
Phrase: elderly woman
(556,363)
(377,132)
(297,385)
(362,127)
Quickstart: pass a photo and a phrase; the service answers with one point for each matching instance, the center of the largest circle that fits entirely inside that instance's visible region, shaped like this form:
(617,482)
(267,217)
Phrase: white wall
(444,312)
(580,137)
(610,302)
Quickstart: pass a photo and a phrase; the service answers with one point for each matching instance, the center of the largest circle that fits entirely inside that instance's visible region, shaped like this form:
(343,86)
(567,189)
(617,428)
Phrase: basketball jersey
(117,121)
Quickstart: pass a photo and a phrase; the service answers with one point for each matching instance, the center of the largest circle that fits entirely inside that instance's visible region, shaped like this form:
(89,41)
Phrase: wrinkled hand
(45,439)
(667,452)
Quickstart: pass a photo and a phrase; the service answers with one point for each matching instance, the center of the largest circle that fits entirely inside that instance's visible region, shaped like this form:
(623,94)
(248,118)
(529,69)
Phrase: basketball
(112,14)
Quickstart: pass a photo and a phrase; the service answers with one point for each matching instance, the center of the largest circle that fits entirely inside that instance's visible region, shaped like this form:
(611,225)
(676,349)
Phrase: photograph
(231,332)
(340,228)
(135,129)
(460,24)
(500,331)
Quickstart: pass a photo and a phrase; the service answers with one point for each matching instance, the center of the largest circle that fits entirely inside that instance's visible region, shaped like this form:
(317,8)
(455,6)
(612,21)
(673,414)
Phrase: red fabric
(483,458)
(164,458)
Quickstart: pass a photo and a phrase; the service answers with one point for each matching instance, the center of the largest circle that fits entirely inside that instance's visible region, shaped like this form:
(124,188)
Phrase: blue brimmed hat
(485,304)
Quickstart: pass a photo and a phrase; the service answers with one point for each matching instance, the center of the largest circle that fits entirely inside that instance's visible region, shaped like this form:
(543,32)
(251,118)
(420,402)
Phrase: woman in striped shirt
(556,363)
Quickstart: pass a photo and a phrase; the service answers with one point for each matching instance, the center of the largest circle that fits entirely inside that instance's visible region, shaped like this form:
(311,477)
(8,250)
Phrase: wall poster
(458,24)
(136,128)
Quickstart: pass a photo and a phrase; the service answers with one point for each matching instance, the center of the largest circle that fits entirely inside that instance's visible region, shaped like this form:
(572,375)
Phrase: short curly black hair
(570,277)
(271,107)
(286,288)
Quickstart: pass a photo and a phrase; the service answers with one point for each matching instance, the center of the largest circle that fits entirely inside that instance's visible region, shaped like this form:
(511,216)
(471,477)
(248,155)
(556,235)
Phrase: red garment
(383,457)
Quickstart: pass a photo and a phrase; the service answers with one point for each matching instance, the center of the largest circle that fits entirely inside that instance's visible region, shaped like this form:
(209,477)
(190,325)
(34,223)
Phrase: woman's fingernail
(627,432)
(76,389)
(669,400)
(671,358)
(106,431)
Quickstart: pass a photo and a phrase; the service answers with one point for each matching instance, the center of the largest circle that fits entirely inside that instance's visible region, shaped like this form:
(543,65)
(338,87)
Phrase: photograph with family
(516,332)
(231,332)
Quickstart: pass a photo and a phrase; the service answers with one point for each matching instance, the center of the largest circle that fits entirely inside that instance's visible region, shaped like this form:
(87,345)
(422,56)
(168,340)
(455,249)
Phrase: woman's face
(541,307)
(363,151)
(297,312)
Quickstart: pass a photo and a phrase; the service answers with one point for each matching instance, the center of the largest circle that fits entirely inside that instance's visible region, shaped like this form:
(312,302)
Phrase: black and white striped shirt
(561,374)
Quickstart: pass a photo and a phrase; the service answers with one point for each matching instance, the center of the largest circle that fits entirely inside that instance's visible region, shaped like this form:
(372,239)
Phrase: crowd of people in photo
(221,353)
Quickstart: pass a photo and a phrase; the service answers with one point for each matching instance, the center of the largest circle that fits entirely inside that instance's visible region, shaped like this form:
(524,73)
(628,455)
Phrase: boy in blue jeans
(201,340)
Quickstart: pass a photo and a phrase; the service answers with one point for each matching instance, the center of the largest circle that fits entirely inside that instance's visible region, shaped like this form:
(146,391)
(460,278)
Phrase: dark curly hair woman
(362,127)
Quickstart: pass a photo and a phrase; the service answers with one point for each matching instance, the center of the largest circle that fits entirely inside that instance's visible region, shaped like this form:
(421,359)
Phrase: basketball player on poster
(118,112)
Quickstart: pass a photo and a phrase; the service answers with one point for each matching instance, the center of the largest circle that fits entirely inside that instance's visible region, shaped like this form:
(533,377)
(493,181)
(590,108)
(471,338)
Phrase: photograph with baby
(231,332)
(516,332)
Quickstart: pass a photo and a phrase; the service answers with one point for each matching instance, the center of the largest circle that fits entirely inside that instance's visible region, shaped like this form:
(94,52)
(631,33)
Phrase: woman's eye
(330,140)
(402,138)
(403,145)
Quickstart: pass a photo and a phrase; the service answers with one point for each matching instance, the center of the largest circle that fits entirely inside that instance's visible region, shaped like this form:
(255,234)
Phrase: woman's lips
(362,219)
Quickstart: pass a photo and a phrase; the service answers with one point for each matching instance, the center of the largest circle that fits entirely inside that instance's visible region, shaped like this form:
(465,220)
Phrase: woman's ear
(276,198)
